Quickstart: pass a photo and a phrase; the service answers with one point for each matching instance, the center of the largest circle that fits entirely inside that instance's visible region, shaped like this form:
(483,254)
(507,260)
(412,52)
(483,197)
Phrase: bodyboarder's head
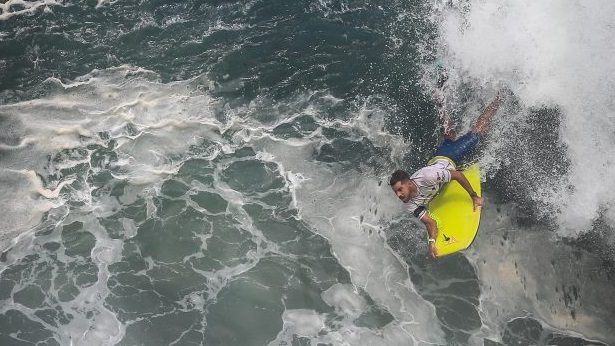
(401,184)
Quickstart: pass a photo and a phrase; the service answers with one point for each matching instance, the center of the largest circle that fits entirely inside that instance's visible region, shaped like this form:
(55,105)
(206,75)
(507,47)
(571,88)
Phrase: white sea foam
(303,322)
(129,105)
(24,201)
(104,328)
(12,8)
(345,300)
(556,54)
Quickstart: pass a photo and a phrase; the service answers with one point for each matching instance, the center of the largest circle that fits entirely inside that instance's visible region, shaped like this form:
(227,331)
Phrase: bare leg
(439,98)
(484,120)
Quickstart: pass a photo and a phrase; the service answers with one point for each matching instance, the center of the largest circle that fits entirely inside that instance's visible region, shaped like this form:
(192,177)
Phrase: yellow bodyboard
(453,210)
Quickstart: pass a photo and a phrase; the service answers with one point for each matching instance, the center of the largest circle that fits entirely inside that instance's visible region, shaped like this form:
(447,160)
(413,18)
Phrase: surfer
(418,189)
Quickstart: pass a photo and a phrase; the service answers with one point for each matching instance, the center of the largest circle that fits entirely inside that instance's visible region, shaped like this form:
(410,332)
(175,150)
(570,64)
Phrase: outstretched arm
(432,230)
(463,181)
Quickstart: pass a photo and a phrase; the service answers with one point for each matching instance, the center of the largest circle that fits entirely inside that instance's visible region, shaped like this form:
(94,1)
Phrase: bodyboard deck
(452,209)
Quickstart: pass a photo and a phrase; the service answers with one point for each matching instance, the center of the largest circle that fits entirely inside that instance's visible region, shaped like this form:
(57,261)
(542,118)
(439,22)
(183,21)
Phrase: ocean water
(215,172)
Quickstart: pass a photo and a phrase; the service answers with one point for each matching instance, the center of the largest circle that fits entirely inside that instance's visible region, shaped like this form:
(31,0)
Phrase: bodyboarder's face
(403,190)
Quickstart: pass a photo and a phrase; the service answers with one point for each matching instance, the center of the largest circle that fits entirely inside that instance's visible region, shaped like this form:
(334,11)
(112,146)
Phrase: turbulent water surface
(215,172)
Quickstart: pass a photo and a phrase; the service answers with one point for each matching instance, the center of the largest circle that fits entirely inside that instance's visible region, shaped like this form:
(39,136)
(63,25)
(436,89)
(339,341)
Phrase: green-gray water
(215,173)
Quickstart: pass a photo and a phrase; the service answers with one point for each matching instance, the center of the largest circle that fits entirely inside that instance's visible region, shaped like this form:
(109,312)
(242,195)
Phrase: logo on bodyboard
(449,240)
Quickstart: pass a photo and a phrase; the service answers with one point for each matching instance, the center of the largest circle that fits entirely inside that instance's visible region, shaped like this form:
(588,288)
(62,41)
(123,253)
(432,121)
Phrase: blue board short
(459,149)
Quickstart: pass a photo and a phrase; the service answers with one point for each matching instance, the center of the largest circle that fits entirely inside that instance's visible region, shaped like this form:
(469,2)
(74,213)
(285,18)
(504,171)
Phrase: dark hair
(397,176)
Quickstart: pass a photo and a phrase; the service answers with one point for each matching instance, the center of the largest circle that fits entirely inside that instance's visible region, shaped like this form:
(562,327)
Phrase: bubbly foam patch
(12,8)
(24,201)
(344,299)
(146,123)
(303,322)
